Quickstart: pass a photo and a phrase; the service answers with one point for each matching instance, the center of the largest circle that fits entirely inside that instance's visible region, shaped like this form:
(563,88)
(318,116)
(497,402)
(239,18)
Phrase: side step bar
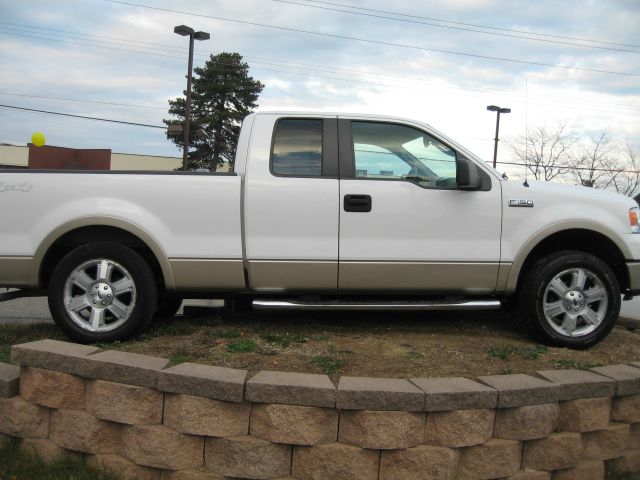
(359,305)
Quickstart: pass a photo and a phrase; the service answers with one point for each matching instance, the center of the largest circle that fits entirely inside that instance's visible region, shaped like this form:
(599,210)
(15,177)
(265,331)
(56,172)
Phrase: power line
(566,167)
(466,29)
(376,42)
(324,68)
(82,116)
(80,101)
(526,32)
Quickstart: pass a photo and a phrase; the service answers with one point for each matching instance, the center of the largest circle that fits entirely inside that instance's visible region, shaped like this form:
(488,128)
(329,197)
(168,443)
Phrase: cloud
(449,91)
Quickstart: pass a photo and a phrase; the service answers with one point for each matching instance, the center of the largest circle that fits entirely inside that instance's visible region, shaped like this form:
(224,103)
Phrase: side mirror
(467,174)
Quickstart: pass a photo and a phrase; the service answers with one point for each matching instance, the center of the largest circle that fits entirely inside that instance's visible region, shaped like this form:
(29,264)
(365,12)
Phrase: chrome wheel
(99,295)
(575,302)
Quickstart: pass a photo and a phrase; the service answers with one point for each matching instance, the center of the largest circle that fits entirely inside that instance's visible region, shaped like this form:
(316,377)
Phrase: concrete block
(19,418)
(193,474)
(381,429)
(218,383)
(555,452)
(52,355)
(9,380)
(52,389)
(45,449)
(366,393)
(455,393)
(530,475)
(124,367)
(294,424)
(162,447)
(291,389)
(584,415)
(335,461)
(80,431)
(585,470)
(573,384)
(518,389)
(628,463)
(626,409)
(122,468)
(527,422)
(247,457)
(122,403)
(459,428)
(205,416)
(494,459)
(627,377)
(424,462)
(606,444)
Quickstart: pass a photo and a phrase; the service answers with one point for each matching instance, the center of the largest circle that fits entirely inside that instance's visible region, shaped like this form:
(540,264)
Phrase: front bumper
(634,277)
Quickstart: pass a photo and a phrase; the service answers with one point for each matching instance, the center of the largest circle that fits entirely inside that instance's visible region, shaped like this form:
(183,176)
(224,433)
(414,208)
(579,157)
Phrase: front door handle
(357,203)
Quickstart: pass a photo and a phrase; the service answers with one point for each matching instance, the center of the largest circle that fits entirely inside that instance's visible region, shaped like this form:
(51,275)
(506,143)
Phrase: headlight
(633,220)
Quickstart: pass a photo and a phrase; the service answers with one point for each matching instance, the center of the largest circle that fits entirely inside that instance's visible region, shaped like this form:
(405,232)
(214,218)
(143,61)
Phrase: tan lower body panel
(283,275)
(207,274)
(503,279)
(16,271)
(434,276)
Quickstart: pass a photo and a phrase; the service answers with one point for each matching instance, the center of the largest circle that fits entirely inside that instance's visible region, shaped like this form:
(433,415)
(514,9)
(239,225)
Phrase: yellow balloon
(38,139)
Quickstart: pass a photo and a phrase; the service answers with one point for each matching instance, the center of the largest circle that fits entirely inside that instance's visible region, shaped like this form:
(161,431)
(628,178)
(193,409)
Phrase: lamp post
(498,110)
(184,31)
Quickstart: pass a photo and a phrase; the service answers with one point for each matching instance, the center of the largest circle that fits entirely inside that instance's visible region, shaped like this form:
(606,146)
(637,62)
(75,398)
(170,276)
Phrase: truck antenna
(526,130)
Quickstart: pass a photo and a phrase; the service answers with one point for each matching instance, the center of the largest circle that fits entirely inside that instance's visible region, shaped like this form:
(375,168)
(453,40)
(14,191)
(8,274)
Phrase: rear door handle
(357,203)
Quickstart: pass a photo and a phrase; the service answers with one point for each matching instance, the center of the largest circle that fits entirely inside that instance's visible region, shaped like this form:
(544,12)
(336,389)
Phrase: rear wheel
(102,291)
(570,299)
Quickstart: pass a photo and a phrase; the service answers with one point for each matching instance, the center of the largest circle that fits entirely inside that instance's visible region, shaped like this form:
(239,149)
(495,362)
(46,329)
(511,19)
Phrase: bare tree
(545,153)
(626,180)
(593,164)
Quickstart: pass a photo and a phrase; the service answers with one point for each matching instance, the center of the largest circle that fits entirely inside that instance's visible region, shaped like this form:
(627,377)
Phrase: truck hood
(556,202)
(561,191)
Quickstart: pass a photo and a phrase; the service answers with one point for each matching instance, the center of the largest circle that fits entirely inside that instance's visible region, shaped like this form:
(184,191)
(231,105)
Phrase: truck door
(291,204)
(404,224)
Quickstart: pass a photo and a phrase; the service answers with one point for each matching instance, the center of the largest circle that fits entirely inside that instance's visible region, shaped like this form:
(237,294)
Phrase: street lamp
(498,110)
(184,31)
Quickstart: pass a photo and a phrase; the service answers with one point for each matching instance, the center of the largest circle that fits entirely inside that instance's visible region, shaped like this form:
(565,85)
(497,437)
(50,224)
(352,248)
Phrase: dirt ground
(381,344)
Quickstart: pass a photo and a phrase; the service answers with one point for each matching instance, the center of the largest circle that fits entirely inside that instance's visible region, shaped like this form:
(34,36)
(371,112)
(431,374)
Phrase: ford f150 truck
(323,211)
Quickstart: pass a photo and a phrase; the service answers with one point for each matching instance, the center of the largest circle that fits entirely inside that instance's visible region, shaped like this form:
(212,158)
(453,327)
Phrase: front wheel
(570,299)
(102,292)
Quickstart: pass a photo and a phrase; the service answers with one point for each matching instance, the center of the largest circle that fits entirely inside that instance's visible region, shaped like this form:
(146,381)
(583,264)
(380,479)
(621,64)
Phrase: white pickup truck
(323,211)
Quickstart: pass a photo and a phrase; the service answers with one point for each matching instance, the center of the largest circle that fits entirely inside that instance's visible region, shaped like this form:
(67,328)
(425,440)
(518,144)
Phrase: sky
(439,61)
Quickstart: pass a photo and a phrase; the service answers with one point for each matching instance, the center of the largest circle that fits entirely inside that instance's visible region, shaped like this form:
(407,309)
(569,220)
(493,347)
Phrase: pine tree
(223,94)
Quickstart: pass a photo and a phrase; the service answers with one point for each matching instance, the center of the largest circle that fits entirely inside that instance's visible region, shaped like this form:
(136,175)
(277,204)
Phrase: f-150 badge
(521,203)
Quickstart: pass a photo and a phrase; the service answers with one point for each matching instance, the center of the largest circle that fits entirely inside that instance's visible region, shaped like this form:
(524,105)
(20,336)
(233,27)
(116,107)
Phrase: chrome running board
(359,305)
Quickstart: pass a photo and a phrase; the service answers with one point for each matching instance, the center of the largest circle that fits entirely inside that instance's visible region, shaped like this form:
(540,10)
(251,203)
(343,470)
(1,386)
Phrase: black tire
(536,289)
(168,305)
(125,265)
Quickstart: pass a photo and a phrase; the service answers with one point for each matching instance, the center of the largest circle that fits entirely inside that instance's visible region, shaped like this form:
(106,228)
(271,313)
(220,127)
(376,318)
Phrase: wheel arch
(69,235)
(597,243)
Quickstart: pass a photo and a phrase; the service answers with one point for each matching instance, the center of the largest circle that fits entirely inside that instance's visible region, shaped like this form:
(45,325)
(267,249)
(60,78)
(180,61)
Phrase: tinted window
(297,147)
(389,151)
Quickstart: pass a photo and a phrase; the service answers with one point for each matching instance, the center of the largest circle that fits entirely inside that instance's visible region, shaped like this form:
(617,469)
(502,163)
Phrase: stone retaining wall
(144,419)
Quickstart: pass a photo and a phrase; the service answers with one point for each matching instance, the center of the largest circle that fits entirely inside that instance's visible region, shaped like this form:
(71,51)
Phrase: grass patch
(329,364)
(284,340)
(22,333)
(576,364)
(243,346)
(504,351)
(15,464)
(180,355)
(174,328)
(226,333)
(414,355)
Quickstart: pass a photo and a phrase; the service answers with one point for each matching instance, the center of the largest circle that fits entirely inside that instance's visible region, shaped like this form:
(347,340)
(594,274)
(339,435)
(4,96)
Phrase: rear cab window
(297,147)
